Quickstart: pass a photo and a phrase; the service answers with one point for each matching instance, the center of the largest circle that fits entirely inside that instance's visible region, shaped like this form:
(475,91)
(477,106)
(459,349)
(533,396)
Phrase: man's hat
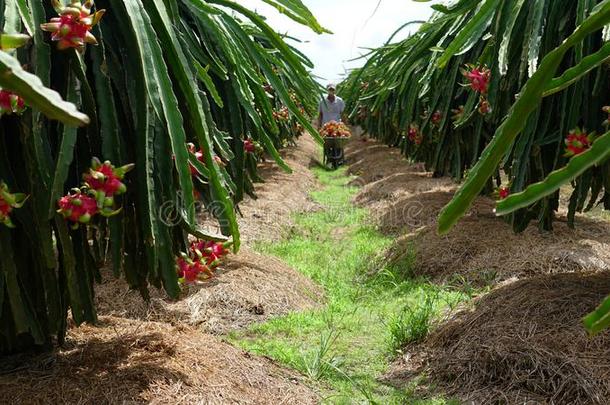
(331,86)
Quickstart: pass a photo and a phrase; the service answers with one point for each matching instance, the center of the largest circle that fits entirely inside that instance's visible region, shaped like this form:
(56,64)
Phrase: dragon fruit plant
(72,29)
(534,76)
(107,106)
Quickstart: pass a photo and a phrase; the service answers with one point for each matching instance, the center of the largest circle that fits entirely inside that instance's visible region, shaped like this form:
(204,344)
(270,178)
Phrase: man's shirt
(331,111)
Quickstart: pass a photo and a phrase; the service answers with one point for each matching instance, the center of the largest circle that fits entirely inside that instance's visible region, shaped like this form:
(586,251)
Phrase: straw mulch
(250,288)
(522,343)
(386,178)
(483,250)
(371,161)
(131,361)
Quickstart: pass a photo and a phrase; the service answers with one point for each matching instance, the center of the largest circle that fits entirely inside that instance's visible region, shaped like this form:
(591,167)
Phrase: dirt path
(166,352)
(266,218)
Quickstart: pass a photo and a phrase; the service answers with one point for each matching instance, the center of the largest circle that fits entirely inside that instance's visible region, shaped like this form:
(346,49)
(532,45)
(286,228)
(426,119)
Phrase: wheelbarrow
(333,151)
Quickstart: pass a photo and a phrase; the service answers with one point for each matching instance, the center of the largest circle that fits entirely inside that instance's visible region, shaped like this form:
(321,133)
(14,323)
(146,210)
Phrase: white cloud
(355,25)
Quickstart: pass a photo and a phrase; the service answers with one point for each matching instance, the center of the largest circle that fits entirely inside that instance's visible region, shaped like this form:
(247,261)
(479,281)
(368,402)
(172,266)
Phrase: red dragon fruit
(503,192)
(436,118)
(10,103)
(8,202)
(414,135)
(202,259)
(477,77)
(577,142)
(249,146)
(199,156)
(211,251)
(77,207)
(106,179)
(104,183)
(72,29)
(191,270)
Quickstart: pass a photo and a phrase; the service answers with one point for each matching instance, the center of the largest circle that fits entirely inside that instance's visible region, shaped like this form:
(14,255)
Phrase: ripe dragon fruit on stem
(72,29)
(77,207)
(10,103)
(104,183)
(199,156)
(190,270)
(477,77)
(436,118)
(578,142)
(8,202)
(211,251)
(202,259)
(414,135)
(249,146)
(503,192)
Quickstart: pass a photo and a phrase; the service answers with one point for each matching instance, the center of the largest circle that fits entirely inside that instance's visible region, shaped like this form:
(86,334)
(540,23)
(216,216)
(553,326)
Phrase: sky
(355,24)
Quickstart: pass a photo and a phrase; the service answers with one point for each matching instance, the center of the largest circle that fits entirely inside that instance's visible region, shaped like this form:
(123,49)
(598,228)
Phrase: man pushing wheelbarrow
(335,133)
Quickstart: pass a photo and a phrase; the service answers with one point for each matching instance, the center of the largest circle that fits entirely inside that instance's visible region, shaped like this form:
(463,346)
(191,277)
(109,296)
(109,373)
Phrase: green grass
(344,347)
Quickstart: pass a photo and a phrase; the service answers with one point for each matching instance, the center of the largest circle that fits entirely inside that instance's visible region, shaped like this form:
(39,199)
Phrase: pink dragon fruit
(77,207)
(72,29)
